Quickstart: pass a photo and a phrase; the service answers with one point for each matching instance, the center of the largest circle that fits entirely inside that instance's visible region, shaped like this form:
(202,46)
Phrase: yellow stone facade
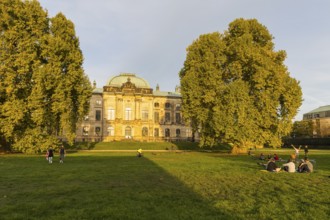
(128,109)
(321,121)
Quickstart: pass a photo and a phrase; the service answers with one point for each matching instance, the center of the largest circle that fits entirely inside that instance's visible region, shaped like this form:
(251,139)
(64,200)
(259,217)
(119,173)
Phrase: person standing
(50,155)
(139,152)
(62,154)
(306,151)
(296,151)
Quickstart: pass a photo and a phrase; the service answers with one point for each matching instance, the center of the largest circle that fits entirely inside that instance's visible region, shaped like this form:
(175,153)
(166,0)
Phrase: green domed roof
(117,81)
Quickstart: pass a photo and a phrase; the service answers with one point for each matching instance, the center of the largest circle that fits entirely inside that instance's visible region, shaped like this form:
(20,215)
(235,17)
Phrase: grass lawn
(188,185)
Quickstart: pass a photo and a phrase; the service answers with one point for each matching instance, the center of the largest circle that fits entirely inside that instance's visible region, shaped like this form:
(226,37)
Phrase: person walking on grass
(62,154)
(50,155)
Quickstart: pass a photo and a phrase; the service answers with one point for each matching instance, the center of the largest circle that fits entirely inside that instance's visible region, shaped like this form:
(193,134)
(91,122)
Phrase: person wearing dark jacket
(50,155)
(271,165)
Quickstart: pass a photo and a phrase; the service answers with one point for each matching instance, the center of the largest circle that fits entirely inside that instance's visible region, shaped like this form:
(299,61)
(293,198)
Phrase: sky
(150,37)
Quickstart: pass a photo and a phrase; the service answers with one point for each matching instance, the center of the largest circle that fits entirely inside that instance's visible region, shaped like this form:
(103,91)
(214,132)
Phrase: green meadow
(160,185)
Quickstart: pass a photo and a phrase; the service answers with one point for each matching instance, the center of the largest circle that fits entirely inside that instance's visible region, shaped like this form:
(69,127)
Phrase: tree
(44,91)
(302,129)
(236,88)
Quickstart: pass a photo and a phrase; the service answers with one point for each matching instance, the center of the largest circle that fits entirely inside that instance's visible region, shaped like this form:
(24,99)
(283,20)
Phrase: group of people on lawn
(50,154)
(303,165)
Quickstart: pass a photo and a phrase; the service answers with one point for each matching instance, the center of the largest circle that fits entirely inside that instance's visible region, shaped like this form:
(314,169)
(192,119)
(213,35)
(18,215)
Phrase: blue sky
(150,37)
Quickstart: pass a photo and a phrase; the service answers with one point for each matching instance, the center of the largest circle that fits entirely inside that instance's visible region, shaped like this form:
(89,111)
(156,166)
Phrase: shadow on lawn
(104,187)
(137,188)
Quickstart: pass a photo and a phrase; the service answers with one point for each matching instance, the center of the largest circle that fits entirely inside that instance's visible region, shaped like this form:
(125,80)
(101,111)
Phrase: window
(98,115)
(167,117)
(178,132)
(128,132)
(327,114)
(144,132)
(178,118)
(97,130)
(156,117)
(128,114)
(85,130)
(144,114)
(167,105)
(167,132)
(156,132)
(156,105)
(98,102)
(178,107)
(111,114)
(111,131)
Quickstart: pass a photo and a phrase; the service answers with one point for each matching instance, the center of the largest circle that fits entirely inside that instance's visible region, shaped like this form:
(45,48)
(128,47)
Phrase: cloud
(150,37)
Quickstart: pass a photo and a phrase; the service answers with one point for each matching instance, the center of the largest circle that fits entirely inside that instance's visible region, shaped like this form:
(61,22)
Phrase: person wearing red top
(276,157)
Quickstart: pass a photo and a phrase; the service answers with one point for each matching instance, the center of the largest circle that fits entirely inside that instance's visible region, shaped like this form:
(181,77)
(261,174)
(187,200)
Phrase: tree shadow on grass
(103,187)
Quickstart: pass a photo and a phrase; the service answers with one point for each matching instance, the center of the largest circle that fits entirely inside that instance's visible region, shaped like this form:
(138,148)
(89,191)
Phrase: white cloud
(150,37)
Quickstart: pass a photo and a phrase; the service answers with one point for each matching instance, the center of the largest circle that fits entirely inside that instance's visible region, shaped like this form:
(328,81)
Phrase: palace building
(321,121)
(127,108)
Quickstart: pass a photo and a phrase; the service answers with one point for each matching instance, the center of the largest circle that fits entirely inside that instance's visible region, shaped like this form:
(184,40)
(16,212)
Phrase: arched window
(97,130)
(178,132)
(111,131)
(167,132)
(128,132)
(144,131)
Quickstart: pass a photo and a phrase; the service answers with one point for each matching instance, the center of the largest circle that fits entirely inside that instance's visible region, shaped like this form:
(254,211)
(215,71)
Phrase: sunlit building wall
(127,108)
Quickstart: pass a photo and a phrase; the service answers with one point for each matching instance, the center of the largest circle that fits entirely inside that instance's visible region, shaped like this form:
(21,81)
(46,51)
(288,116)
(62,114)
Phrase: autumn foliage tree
(302,129)
(236,88)
(44,90)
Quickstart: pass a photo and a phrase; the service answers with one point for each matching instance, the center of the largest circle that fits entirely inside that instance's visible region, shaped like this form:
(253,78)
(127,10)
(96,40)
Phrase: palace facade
(127,108)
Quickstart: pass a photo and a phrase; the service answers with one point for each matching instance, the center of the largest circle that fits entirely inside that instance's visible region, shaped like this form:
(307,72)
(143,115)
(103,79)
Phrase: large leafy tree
(302,129)
(44,91)
(236,88)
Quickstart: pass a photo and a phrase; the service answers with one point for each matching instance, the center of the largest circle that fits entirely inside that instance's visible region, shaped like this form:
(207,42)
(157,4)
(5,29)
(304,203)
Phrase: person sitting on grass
(310,167)
(302,167)
(293,157)
(262,156)
(289,167)
(271,166)
(276,158)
